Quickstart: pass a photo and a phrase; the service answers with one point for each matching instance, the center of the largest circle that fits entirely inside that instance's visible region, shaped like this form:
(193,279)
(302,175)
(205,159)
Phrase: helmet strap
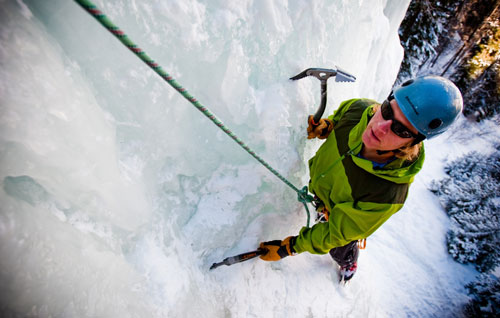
(417,140)
(383,152)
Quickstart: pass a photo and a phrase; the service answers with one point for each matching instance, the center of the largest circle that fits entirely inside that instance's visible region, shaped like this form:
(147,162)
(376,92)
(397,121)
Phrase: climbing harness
(362,244)
(322,213)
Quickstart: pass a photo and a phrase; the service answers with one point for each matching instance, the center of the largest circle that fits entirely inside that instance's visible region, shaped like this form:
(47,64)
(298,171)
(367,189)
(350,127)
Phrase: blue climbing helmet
(430,103)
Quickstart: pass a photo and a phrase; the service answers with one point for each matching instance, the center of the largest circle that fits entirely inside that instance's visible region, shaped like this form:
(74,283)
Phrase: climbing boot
(347,272)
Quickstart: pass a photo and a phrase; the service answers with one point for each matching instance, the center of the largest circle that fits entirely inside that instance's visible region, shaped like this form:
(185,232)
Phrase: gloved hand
(277,249)
(321,130)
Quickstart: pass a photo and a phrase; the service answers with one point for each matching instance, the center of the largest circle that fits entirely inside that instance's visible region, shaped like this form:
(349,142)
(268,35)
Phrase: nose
(385,126)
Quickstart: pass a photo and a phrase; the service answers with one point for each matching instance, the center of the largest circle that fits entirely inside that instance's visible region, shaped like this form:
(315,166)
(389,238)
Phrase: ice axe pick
(323,75)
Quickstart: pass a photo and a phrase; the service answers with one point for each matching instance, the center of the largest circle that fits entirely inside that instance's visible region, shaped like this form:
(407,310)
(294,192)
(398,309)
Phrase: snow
(117,195)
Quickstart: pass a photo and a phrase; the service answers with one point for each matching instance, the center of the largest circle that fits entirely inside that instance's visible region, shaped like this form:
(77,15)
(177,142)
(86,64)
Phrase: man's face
(378,134)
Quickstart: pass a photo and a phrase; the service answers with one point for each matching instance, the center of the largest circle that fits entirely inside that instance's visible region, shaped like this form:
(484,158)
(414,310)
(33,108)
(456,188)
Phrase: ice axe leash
(239,258)
(323,75)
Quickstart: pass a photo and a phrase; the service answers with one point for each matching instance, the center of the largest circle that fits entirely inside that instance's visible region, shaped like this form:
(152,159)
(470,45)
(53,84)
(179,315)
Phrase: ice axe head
(323,75)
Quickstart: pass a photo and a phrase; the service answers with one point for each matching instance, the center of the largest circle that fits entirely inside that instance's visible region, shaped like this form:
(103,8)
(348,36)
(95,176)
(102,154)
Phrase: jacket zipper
(350,152)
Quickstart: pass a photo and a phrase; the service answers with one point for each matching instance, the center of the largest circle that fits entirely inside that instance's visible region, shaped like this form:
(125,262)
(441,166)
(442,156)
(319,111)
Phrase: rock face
(459,40)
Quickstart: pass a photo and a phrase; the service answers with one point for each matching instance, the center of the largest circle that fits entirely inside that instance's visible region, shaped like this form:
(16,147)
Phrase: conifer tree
(420,32)
(471,197)
(485,294)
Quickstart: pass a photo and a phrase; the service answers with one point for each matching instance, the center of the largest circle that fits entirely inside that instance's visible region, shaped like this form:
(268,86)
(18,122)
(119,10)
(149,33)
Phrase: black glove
(321,130)
(276,250)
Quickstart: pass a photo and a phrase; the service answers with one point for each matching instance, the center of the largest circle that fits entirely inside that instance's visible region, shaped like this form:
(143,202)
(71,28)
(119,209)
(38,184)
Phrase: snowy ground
(117,195)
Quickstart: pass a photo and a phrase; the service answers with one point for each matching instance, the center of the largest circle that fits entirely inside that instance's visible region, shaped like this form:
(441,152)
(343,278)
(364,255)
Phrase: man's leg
(347,258)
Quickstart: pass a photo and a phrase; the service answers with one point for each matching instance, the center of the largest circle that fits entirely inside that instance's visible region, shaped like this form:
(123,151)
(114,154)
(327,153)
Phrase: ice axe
(323,75)
(239,258)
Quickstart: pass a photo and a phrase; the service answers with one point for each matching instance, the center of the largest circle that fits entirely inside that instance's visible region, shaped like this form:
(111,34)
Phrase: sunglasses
(397,127)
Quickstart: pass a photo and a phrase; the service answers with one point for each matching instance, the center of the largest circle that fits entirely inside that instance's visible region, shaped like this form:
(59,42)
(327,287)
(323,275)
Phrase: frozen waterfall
(117,194)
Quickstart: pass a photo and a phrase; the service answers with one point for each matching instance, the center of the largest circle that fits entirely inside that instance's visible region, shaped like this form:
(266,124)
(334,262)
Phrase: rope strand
(303,196)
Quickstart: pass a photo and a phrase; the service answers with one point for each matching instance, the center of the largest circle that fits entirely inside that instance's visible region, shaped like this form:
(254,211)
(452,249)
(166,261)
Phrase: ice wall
(117,194)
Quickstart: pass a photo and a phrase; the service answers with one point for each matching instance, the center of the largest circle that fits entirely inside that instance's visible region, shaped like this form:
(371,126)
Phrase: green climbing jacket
(359,196)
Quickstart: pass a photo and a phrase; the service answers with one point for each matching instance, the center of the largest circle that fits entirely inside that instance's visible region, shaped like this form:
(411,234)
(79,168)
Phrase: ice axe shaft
(323,75)
(239,258)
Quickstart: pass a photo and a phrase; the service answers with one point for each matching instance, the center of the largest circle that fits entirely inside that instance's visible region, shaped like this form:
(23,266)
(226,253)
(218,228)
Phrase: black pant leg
(345,255)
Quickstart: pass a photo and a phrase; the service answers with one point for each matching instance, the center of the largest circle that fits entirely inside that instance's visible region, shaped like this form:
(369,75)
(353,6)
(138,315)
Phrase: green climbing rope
(303,195)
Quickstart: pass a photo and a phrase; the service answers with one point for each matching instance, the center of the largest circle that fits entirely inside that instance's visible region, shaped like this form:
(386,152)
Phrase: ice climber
(361,174)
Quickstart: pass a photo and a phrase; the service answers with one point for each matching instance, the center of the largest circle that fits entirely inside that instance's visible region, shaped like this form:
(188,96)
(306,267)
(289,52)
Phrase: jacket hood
(398,171)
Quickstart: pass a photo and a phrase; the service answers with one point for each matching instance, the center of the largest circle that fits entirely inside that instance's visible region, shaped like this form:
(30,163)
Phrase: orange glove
(276,250)
(321,130)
